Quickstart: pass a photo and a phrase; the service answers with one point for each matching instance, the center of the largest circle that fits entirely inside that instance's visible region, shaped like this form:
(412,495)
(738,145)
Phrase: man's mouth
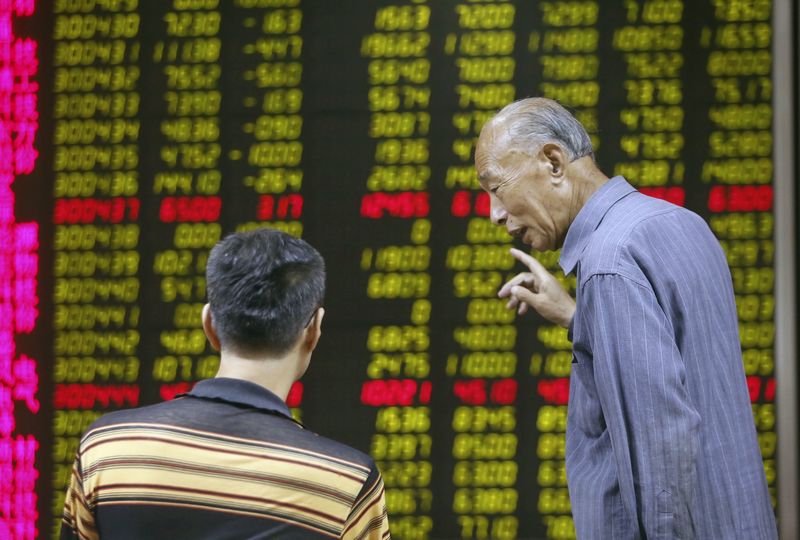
(518,233)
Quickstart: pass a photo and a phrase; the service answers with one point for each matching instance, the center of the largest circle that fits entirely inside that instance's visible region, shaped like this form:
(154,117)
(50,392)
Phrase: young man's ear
(208,328)
(314,330)
(555,159)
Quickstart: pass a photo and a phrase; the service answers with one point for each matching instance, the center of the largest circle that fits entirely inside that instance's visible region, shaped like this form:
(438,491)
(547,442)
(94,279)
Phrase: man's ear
(208,328)
(314,330)
(555,160)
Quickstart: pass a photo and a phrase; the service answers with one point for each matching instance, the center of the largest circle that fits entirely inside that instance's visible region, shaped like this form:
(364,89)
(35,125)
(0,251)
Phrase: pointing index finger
(533,265)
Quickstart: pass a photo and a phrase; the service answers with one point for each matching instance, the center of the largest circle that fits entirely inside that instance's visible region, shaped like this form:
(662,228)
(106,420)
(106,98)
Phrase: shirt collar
(240,392)
(588,218)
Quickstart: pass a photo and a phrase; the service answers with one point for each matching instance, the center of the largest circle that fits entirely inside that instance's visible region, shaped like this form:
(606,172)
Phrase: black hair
(263,288)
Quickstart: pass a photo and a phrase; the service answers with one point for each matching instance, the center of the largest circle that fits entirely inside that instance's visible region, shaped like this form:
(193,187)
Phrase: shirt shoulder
(205,419)
(635,234)
(340,450)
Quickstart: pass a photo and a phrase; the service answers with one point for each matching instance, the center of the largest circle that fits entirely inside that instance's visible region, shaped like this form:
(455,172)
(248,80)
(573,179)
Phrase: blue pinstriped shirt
(661,441)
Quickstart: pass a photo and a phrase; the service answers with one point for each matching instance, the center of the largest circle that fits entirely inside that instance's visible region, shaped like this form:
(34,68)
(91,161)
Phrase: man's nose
(497,213)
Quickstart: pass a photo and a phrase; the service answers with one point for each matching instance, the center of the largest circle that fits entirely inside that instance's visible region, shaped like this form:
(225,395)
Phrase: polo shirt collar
(240,392)
(588,219)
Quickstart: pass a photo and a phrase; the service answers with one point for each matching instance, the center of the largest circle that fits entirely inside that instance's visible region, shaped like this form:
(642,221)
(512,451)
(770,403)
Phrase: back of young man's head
(263,288)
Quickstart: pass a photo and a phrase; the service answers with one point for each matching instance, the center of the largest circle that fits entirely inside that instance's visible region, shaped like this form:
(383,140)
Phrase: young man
(227,460)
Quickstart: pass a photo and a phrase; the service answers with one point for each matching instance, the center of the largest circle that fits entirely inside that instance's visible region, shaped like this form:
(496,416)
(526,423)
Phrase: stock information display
(161,126)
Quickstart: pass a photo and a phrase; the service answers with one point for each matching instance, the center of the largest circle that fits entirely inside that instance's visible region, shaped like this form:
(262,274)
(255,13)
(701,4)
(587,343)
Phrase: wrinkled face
(525,196)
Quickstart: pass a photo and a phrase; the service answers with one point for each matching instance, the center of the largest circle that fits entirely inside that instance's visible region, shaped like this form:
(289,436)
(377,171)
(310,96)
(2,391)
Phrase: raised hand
(538,289)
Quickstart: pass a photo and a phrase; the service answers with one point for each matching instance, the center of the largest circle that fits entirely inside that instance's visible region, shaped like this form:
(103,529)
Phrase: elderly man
(227,460)
(660,435)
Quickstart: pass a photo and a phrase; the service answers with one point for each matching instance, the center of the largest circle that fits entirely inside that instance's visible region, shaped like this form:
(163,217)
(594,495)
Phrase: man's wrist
(566,320)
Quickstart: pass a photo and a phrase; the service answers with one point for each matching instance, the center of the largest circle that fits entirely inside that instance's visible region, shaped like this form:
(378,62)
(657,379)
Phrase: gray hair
(533,122)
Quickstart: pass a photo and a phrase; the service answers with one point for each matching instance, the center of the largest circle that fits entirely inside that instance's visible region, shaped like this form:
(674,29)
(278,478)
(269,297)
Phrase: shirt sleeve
(77,521)
(640,379)
(368,519)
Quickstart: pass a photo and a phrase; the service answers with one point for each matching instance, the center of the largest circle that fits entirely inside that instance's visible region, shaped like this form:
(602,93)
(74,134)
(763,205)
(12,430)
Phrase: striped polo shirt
(225,460)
